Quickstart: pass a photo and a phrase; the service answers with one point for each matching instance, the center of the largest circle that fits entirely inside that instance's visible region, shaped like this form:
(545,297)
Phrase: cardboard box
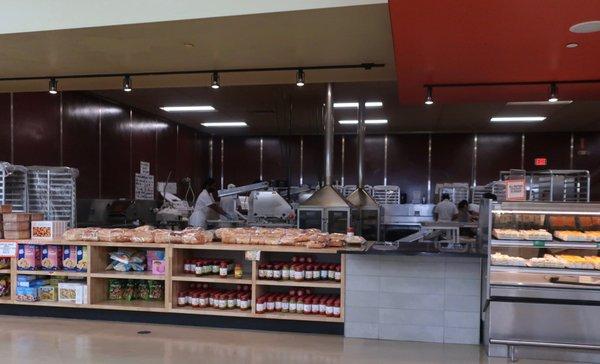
(25,234)
(159,267)
(48,293)
(27,294)
(5,209)
(37,216)
(34,283)
(52,257)
(72,293)
(16,216)
(16,225)
(75,258)
(48,229)
(152,255)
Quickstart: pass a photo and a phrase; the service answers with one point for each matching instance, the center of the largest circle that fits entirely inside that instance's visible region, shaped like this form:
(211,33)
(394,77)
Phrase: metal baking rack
(52,191)
(13,186)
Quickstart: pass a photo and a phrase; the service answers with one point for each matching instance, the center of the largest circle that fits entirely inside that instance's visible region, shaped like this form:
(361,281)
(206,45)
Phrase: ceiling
(333,36)
(472,41)
(267,110)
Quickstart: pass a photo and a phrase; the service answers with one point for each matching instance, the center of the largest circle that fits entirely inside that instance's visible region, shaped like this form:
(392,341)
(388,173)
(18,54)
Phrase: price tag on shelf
(8,250)
(539,244)
(253,255)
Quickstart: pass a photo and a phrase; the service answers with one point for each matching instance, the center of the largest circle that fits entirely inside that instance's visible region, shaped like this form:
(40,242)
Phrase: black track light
(127,84)
(429,99)
(215,81)
(300,77)
(553,93)
(53,86)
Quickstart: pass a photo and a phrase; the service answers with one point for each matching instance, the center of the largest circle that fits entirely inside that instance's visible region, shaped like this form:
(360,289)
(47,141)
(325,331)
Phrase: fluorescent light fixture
(520,119)
(376,121)
(354,105)
(538,103)
(225,124)
(345,105)
(187,108)
(368,121)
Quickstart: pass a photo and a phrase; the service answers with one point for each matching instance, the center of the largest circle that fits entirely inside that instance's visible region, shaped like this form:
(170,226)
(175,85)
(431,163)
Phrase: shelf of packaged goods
(4,271)
(211,279)
(59,273)
(128,275)
(298,317)
(50,304)
(315,284)
(212,311)
(544,244)
(555,271)
(264,248)
(91,243)
(135,305)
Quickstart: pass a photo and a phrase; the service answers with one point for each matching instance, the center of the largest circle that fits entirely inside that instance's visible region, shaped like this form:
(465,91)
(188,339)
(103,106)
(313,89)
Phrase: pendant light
(429,99)
(215,81)
(300,77)
(53,86)
(553,93)
(127,84)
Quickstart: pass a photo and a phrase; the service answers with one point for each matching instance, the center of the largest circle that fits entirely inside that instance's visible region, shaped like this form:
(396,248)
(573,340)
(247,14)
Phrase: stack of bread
(575,235)
(503,259)
(311,238)
(142,234)
(512,234)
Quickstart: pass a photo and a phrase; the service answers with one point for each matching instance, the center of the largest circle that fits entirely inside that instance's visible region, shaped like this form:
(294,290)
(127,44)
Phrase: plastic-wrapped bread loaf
(142,234)
(90,234)
(120,235)
(162,236)
(193,236)
(73,234)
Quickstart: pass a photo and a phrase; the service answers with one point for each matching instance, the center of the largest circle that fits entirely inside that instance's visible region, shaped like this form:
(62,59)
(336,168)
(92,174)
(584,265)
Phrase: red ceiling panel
(472,41)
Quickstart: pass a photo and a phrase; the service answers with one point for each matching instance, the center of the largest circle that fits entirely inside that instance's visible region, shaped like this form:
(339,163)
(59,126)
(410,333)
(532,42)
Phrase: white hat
(230,186)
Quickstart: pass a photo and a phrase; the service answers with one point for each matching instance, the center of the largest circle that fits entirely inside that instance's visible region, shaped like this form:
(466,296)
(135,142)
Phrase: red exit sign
(540,162)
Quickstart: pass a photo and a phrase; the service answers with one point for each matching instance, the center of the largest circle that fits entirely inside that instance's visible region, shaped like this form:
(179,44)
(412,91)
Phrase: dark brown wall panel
(451,158)
(407,164)
(587,156)
(495,153)
(350,155)
(201,173)
(166,146)
(116,152)
(275,159)
(374,155)
(81,142)
(37,128)
(313,159)
(5,130)
(553,146)
(242,160)
(294,144)
(143,144)
(185,153)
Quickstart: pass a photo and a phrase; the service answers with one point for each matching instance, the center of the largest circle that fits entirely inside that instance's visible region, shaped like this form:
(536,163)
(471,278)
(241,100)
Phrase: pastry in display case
(542,287)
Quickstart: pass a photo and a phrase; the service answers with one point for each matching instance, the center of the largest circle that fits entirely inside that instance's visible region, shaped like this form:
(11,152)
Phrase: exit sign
(540,162)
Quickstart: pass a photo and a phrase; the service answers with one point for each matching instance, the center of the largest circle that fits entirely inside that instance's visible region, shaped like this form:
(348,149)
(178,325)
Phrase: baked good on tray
(575,262)
(507,260)
(571,235)
(547,261)
(538,234)
(506,234)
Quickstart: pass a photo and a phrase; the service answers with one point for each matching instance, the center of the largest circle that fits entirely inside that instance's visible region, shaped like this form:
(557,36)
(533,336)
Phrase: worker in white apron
(204,204)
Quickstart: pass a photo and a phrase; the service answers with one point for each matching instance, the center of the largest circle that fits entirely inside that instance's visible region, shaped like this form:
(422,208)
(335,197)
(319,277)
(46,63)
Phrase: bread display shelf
(310,284)
(211,279)
(59,273)
(556,271)
(544,244)
(174,279)
(112,274)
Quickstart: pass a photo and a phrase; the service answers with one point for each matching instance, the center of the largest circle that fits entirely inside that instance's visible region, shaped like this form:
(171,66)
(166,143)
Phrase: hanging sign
(145,168)
(8,250)
(515,190)
(144,187)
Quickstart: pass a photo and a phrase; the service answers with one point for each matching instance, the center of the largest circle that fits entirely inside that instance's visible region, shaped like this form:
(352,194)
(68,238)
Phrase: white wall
(17,16)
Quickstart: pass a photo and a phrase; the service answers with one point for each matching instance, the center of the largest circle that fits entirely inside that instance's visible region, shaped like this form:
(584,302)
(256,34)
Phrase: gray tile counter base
(413,298)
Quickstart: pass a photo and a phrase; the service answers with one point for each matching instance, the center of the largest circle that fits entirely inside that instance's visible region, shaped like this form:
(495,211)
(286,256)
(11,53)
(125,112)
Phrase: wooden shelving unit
(175,278)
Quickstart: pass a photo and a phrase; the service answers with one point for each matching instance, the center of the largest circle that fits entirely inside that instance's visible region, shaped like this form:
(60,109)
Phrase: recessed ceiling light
(345,105)
(586,27)
(572,45)
(188,45)
(518,119)
(538,103)
(373,104)
(368,121)
(187,108)
(225,124)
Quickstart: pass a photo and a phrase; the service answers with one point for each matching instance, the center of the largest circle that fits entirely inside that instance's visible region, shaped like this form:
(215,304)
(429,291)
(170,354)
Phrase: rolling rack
(13,186)
(52,191)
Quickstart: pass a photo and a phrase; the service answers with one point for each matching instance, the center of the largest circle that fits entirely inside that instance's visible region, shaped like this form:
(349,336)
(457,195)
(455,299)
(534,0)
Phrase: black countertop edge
(410,249)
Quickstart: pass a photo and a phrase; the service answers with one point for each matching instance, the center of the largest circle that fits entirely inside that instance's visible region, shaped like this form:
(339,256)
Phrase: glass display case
(542,286)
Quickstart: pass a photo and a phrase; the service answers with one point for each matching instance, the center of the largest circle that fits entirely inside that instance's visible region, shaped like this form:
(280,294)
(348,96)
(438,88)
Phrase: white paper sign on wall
(145,168)
(144,187)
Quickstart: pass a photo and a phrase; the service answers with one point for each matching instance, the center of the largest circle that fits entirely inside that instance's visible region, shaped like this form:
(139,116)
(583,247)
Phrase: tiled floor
(44,340)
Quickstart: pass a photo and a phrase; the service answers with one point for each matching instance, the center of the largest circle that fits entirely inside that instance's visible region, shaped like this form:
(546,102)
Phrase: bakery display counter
(542,286)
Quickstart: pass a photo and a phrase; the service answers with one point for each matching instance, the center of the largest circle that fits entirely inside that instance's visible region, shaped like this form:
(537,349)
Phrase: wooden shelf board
(92,243)
(264,248)
(298,317)
(212,311)
(4,271)
(211,279)
(128,275)
(135,305)
(5,300)
(316,284)
(60,273)
(51,304)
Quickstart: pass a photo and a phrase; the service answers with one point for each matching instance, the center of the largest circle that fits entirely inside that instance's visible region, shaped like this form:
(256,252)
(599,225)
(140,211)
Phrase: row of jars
(300,271)
(326,305)
(223,300)
(223,268)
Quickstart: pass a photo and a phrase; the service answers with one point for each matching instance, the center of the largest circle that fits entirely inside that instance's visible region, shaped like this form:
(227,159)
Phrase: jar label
(299,307)
(314,308)
(194,301)
(223,272)
(277,305)
(270,306)
(277,274)
(336,311)
(298,275)
(285,274)
(308,274)
(307,308)
(244,304)
(198,270)
(231,303)
(202,302)
(269,273)
(222,303)
(293,307)
(260,307)
(261,273)
(322,308)
(285,306)
(329,310)
(331,274)
(338,276)
(181,301)
(317,274)
(324,274)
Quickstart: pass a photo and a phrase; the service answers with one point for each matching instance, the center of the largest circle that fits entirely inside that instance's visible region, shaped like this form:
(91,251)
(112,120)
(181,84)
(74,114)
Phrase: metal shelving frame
(13,186)
(52,191)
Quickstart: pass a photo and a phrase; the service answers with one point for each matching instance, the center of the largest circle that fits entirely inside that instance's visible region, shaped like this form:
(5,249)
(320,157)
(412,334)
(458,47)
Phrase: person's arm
(218,209)
(435,213)
(454,212)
